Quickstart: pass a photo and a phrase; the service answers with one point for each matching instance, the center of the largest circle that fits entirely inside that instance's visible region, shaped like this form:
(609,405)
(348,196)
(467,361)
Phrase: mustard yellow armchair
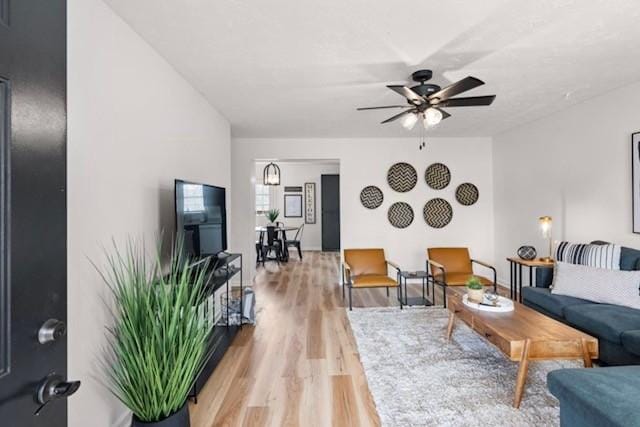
(367,268)
(454,267)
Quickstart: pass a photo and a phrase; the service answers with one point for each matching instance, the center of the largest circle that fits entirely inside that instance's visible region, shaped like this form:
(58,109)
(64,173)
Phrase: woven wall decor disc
(402,177)
(437,213)
(400,215)
(371,197)
(438,176)
(467,194)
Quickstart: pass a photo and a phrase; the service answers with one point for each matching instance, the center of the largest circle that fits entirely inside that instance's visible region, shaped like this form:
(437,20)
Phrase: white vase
(475,295)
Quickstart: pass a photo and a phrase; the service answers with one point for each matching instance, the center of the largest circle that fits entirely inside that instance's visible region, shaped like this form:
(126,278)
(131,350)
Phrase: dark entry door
(33,213)
(330,189)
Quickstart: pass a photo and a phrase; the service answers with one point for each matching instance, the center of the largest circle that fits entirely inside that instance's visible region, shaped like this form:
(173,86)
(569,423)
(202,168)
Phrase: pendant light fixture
(271,174)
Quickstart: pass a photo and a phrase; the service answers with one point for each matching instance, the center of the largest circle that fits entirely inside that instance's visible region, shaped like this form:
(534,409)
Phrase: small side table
(424,276)
(515,280)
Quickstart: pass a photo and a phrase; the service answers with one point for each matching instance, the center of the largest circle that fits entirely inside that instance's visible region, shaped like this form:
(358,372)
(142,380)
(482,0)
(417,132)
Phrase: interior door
(330,190)
(33,294)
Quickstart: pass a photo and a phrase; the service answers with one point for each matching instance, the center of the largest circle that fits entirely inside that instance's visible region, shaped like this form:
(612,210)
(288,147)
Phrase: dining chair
(272,245)
(295,242)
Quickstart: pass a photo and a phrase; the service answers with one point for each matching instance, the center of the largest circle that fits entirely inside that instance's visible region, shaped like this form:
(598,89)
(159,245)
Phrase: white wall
(296,174)
(365,162)
(575,166)
(134,126)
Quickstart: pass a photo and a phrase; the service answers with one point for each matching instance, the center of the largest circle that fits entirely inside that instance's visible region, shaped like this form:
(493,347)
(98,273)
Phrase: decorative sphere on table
(527,252)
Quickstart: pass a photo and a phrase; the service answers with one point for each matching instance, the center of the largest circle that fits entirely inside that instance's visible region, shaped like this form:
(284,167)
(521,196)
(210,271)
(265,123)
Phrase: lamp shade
(271,174)
(545,226)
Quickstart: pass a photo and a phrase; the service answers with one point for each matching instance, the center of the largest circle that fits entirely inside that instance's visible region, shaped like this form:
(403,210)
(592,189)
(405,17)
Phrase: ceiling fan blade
(444,113)
(397,116)
(380,108)
(408,93)
(467,102)
(453,89)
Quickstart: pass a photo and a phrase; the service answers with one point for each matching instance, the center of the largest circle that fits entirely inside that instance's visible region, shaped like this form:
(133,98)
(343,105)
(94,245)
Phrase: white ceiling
(299,68)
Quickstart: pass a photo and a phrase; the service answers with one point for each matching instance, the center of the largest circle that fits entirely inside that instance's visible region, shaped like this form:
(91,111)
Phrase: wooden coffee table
(524,335)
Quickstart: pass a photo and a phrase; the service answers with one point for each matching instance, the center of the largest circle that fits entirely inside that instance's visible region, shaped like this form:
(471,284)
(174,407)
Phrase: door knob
(54,387)
(51,330)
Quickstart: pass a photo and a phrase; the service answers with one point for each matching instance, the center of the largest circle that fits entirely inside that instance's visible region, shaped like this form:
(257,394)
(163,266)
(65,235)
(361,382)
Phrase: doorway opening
(301,214)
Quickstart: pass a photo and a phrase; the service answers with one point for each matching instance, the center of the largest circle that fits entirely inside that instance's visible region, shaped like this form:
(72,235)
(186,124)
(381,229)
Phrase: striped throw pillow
(598,256)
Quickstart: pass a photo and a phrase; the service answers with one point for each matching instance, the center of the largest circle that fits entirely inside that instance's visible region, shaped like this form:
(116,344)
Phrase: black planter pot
(179,418)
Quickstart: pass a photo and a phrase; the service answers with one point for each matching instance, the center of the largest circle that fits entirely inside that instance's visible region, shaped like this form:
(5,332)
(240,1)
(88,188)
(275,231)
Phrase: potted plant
(272,215)
(475,290)
(157,343)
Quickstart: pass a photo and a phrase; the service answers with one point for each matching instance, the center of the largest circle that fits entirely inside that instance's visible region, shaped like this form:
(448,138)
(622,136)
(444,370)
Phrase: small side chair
(296,241)
(368,268)
(454,267)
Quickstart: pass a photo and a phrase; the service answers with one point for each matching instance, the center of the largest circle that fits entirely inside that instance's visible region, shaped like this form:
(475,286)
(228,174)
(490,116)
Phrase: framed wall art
(293,205)
(635,180)
(309,202)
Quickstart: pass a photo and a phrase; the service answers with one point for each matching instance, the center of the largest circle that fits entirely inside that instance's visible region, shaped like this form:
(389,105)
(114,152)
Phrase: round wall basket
(467,194)
(402,177)
(371,197)
(437,213)
(438,176)
(400,215)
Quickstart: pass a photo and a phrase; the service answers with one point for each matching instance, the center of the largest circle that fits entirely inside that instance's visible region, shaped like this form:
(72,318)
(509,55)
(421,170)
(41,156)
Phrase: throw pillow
(594,255)
(597,284)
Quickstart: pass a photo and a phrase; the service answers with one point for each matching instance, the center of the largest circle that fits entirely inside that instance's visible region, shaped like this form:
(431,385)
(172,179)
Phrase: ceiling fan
(426,100)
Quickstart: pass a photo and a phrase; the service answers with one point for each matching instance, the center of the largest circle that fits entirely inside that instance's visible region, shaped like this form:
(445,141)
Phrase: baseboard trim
(123,420)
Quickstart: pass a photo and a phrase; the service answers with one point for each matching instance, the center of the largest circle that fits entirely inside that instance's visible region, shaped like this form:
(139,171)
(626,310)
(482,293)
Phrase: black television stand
(224,268)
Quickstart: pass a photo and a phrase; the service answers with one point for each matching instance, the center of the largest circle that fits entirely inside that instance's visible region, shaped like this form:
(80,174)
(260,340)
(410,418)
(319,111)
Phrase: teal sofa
(598,397)
(617,328)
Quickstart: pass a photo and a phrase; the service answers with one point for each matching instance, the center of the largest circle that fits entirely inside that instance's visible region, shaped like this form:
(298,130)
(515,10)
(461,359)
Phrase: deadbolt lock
(51,330)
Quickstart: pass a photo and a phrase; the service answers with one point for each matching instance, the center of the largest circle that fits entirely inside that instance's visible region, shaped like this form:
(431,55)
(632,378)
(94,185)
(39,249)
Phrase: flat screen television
(201,218)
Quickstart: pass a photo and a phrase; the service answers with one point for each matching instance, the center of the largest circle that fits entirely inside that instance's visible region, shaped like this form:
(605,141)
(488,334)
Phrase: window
(262,199)
(193,198)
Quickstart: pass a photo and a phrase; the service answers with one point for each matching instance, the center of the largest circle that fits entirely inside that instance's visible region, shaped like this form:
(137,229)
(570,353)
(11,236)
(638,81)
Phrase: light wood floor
(299,365)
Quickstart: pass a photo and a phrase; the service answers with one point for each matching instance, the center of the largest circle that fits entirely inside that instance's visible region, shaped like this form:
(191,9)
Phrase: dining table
(282,231)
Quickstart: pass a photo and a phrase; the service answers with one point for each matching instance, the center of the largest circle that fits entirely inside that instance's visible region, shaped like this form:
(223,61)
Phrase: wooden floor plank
(299,365)
(345,407)
(256,416)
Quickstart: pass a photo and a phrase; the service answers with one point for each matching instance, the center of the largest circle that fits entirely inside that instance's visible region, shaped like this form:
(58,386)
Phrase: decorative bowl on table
(500,305)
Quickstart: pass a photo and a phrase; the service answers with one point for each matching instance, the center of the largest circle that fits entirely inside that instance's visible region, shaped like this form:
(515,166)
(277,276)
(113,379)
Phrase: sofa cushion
(598,256)
(554,304)
(631,341)
(603,320)
(597,284)
(599,396)
(629,259)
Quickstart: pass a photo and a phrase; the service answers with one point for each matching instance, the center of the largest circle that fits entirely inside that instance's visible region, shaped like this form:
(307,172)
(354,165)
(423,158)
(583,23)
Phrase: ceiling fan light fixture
(409,121)
(432,116)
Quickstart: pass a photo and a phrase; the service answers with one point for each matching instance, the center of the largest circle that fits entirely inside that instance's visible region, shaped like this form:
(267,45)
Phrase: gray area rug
(418,379)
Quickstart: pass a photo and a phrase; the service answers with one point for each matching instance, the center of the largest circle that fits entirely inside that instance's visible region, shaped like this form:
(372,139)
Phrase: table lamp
(545,228)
